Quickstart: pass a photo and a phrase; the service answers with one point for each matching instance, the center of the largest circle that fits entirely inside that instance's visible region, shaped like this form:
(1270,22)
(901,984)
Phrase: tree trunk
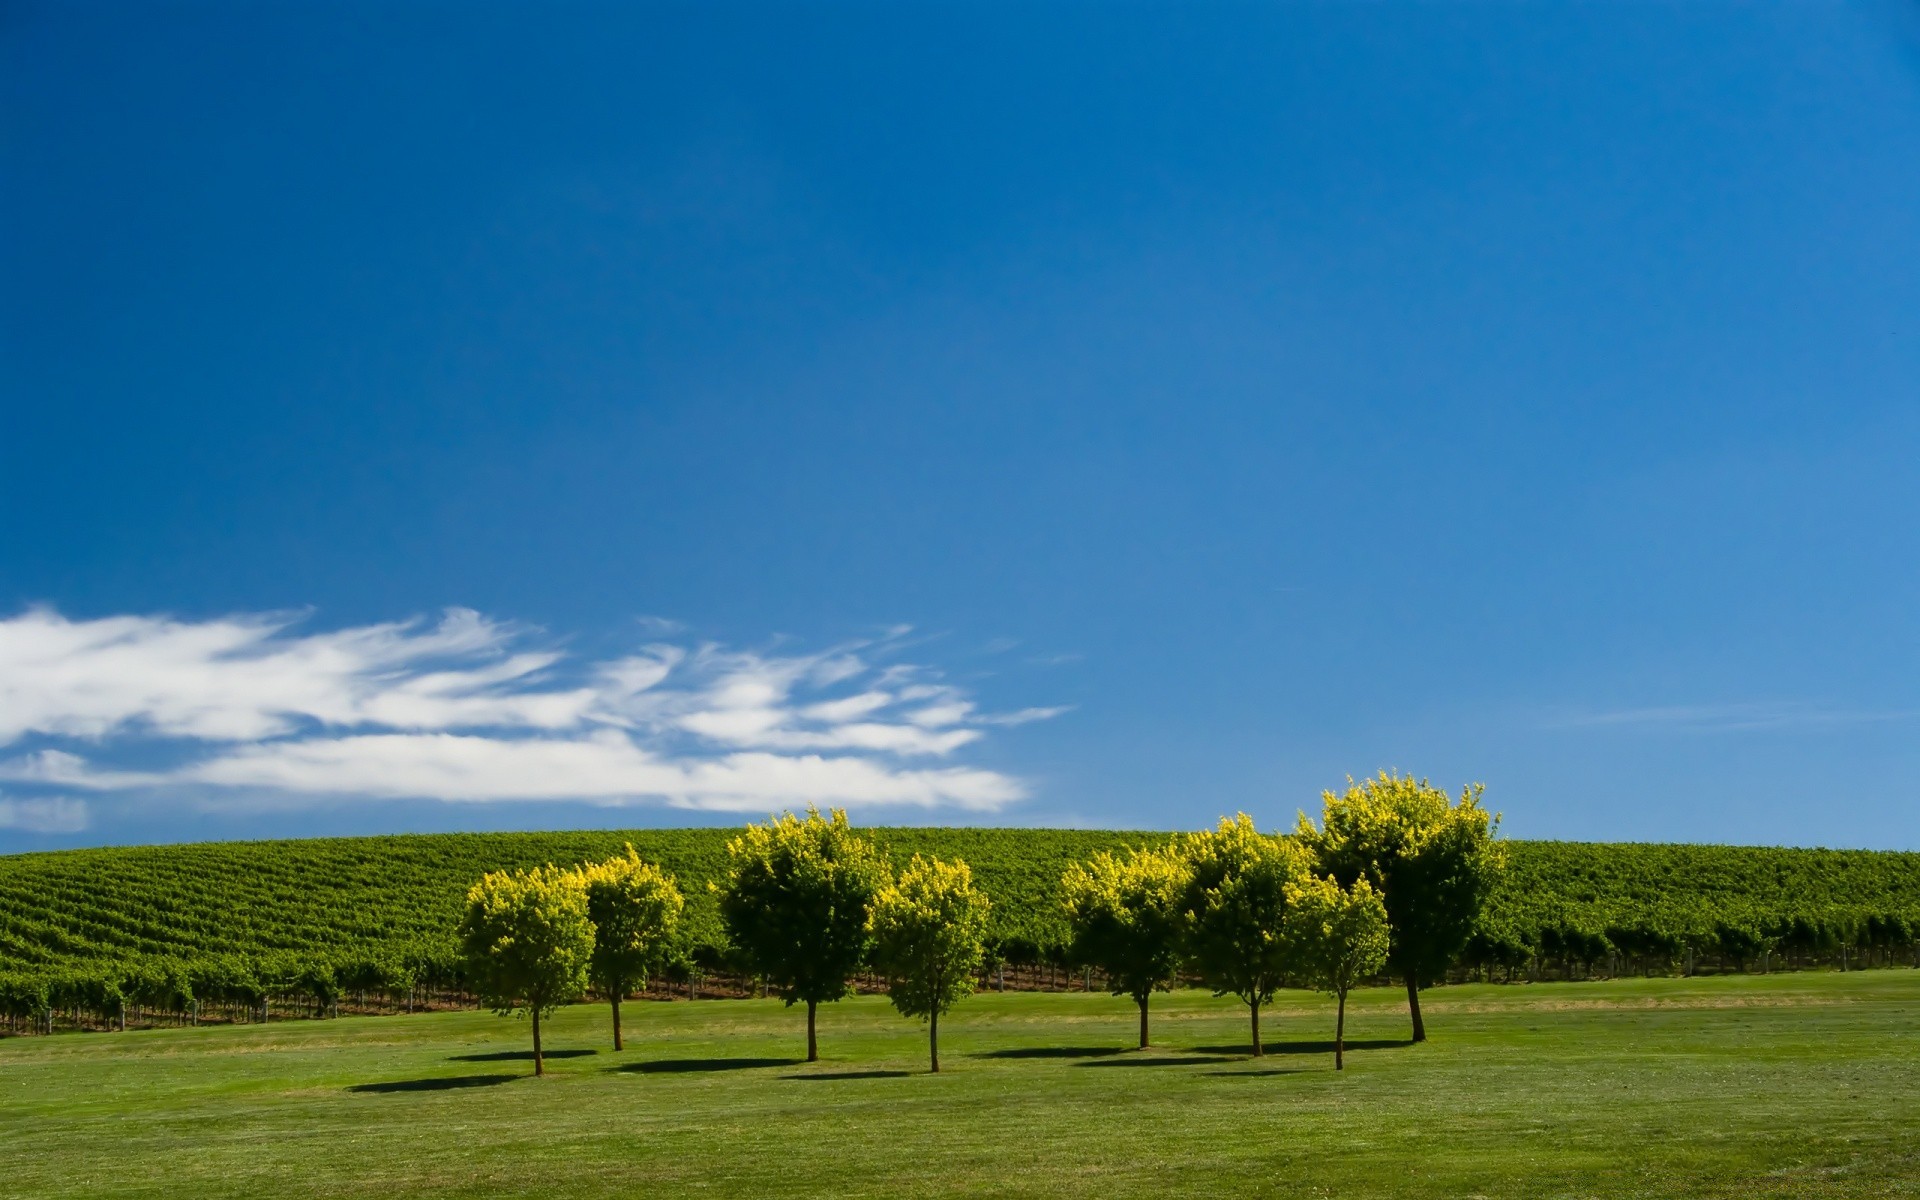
(539,1066)
(617,1043)
(813,1045)
(1413,1005)
(933,1039)
(1143,1020)
(1255,1007)
(1340,1034)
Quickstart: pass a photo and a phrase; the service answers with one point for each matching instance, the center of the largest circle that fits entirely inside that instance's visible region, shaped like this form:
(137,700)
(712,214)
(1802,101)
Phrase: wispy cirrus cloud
(472,709)
(1736,717)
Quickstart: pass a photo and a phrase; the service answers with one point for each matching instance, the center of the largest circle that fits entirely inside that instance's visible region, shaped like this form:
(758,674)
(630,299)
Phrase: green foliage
(243,916)
(928,927)
(1336,938)
(1433,862)
(528,941)
(928,930)
(796,901)
(1127,917)
(1236,906)
(635,909)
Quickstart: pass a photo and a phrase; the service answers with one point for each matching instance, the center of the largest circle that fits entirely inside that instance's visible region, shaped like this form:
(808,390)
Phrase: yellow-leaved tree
(1433,862)
(528,941)
(1236,908)
(635,908)
(1126,917)
(796,900)
(929,939)
(1336,938)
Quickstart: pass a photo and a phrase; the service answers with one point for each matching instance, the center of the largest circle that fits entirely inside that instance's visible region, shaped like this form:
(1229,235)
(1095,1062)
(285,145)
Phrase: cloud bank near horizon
(470,709)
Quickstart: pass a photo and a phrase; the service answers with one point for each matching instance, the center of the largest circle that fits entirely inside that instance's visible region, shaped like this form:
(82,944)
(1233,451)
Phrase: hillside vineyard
(246,930)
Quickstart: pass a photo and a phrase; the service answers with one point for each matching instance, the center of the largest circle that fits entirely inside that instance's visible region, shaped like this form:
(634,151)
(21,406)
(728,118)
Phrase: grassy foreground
(1788,1085)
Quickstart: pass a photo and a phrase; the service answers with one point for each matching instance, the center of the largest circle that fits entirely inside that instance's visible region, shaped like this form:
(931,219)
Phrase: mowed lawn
(1790,1085)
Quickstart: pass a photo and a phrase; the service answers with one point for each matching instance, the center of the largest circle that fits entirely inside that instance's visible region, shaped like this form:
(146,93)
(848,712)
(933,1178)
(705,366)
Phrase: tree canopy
(1236,905)
(529,942)
(635,908)
(929,929)
(1337,937)
(1127,918)
(796,901)
(1434,863)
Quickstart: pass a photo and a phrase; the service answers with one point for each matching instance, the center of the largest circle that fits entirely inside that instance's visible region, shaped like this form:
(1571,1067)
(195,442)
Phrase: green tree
(795,902)
(1433,862)
(1236,907)
(1336,937)
(635,908)
(528,941)
(1127,918)
(929,933)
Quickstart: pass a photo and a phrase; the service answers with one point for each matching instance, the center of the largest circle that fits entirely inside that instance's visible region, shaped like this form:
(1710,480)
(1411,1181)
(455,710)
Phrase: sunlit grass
(1792,1085)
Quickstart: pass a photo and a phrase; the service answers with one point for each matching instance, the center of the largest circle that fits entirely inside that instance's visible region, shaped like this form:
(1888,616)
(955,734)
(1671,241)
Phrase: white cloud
(238,679)
(470,709)
(52,814)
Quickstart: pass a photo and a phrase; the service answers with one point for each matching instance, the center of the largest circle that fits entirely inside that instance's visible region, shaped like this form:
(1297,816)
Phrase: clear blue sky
(1524,394)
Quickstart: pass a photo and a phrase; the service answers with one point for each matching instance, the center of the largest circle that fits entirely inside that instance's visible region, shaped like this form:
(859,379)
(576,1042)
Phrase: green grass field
(1788,1085)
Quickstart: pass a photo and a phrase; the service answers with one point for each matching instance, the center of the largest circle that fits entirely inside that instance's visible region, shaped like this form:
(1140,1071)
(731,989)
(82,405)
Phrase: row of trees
(1393,876)
(103,912)
(807,902)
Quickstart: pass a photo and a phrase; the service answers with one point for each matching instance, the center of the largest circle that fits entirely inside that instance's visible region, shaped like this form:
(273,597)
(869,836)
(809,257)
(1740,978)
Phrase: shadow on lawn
(851,1075)
(445,1083)
(1159,1060)
(1257,1073)
(671,1066)
(1053,1052)
(518,1055)
(1273,1048)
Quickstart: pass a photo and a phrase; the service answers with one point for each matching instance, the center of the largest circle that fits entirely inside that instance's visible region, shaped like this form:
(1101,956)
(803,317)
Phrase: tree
(1127,918)
(528,941)
(796,901)
(929,933)
(635,908)
(1236,905)
(1336,937)
(1433,863)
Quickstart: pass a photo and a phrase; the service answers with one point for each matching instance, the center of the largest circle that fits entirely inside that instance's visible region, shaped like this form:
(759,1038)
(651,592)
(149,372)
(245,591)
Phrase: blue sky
(435,416)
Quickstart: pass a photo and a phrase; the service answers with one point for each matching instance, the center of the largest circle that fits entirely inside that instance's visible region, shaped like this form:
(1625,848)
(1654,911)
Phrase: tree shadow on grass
(519,1055)
(1259,1072)
(673,1066)
(442,1084)
(1158,1060)
(1273,1048)
(1053,1052)
(851,1075)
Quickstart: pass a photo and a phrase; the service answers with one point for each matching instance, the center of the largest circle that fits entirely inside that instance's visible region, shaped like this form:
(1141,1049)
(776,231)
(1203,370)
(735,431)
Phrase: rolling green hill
(270,909)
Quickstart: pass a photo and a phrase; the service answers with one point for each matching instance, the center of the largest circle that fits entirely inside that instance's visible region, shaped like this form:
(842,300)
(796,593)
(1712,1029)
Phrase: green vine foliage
(234,923)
